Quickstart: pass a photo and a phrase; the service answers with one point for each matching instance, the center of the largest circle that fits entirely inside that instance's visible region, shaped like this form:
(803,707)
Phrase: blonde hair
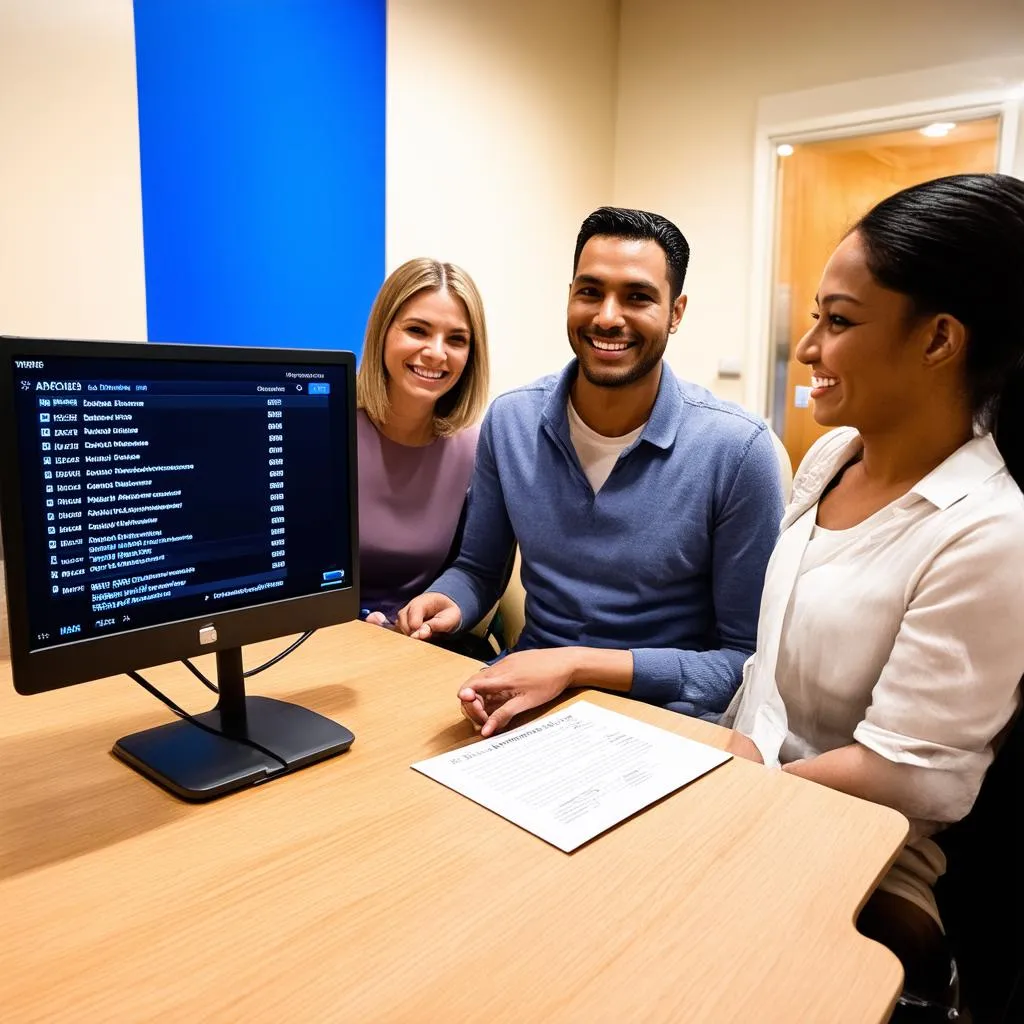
(461,406)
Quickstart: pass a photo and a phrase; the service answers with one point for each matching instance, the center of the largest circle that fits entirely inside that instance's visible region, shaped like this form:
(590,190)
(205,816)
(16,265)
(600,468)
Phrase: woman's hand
(743,746)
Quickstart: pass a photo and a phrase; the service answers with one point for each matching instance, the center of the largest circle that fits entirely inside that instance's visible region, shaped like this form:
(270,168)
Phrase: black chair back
(980,896)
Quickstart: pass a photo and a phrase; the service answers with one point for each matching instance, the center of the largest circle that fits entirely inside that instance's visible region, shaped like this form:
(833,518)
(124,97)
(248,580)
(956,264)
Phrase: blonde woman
(422,386)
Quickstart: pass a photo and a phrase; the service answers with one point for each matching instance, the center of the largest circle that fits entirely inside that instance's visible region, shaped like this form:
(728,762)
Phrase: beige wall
(70,191)
(500,141)
(507,124)
(690,76)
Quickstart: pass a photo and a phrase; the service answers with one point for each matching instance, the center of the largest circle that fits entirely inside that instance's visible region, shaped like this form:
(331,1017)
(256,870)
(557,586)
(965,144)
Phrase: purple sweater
(409,505)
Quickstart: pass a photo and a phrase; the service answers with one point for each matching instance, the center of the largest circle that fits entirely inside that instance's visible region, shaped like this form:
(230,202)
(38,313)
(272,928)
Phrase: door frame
(826,113)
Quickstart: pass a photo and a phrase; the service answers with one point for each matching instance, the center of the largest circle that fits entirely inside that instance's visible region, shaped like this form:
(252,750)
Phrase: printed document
(573,774)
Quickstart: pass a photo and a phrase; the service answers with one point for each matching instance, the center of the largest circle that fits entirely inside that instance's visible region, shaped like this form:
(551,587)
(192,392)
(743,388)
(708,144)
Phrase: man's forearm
(700,683)
(602,669)
(475,579)
(470,592)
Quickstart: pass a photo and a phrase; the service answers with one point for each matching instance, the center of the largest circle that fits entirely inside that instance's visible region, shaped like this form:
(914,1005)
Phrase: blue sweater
(667,560)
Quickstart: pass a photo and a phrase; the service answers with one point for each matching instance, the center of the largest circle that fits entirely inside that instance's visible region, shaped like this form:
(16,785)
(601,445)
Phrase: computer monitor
(164,501)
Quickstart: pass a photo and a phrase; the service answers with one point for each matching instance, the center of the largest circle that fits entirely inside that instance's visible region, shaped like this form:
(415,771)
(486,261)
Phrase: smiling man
(645,509)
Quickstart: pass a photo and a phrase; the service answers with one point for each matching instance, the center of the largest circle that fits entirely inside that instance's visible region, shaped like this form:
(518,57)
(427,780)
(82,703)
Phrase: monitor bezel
(80,661)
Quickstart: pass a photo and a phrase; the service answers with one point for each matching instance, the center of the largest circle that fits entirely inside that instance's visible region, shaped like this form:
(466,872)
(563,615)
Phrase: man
(645,509)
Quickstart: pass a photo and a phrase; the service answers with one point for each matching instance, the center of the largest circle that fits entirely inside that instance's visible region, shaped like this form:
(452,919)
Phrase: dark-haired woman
(891,633)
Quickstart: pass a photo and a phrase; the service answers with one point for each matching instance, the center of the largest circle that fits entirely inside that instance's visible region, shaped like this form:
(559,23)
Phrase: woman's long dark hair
(956,245)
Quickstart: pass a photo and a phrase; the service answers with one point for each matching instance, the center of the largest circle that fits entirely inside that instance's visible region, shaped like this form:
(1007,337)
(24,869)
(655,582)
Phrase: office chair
(5,651)
(980,895)
(508,617)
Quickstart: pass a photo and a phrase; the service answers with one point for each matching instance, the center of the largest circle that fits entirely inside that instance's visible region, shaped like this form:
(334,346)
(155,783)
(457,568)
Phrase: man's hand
(428,614)
(495,695)
(743,746)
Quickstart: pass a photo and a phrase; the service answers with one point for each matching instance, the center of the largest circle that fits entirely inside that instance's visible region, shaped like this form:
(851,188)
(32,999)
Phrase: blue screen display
(262,131)
(155,490)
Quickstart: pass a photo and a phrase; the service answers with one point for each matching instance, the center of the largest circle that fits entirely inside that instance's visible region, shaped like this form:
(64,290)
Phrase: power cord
(210,685)
(277,657)
(199,675)
(185,716)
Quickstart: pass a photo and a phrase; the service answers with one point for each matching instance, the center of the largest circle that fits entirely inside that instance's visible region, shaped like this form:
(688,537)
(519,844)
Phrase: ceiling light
(785,149)
(938,129)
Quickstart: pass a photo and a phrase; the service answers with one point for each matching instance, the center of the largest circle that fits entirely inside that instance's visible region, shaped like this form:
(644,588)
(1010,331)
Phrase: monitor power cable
(211,685)
(183,714)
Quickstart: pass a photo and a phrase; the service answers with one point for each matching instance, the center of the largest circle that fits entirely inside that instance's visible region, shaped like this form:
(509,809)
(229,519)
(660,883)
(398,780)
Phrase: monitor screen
(155,489)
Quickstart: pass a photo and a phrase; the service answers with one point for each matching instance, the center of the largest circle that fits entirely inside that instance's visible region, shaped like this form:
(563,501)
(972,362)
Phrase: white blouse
(904,634)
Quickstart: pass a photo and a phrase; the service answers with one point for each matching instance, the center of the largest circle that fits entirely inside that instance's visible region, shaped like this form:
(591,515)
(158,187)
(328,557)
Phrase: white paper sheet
(573,774)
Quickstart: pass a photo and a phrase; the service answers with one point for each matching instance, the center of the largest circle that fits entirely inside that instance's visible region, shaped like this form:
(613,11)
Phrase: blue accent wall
(262,127)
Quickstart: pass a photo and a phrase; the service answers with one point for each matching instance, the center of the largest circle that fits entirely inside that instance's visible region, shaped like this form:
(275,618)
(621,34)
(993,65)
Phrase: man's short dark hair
(616,222)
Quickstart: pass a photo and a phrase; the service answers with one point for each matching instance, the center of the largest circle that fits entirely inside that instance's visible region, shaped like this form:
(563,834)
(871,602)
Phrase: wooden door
(825,187)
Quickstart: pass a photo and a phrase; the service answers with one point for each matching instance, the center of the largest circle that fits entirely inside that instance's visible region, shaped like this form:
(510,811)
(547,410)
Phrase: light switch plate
(730,367)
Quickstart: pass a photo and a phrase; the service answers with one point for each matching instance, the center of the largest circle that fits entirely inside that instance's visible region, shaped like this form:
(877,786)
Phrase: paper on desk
(571,775)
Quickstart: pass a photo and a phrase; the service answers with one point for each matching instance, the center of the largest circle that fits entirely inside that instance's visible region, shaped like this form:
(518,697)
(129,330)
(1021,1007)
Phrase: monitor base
(196,765)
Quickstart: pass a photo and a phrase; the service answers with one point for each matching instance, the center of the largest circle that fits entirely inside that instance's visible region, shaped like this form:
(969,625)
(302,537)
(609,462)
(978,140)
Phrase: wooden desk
(359,890)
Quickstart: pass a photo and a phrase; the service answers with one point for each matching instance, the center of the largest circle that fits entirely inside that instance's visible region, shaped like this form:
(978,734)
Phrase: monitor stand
(196,765)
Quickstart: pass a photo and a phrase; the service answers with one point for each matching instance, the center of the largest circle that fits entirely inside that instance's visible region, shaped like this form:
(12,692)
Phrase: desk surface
(360,890)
